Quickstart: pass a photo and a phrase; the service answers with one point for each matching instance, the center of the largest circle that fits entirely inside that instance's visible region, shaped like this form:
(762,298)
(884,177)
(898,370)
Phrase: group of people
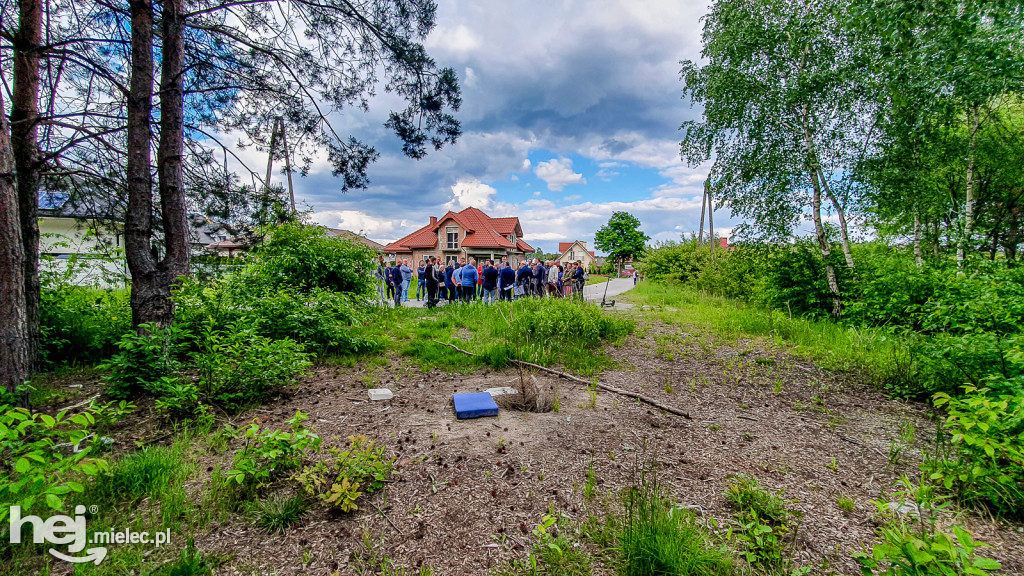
(466,280)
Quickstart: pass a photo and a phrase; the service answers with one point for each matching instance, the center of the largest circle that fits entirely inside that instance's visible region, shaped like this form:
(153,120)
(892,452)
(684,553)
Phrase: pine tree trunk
(970,184)
(25,147)
(14,345)
(146,298)
(172,143)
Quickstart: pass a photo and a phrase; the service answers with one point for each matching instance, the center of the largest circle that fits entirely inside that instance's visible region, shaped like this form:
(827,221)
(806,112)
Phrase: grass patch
(659,539)
(832,345)
(278,513)
(147,472)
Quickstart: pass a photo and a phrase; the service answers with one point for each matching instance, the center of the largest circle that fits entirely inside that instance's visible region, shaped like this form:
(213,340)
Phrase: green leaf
(53,501)
(22,466)
(986,564)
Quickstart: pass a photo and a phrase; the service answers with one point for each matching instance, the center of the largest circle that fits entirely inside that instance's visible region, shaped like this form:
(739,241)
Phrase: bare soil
(467,493)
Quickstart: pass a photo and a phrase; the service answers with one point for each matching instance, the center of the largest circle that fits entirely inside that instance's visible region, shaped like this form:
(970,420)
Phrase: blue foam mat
(474,405)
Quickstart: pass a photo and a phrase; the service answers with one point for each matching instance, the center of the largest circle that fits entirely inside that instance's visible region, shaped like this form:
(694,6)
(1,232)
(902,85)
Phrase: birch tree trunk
(917,239)
(969,200)
(25,149)
(819,230)
(843,232)
(14,346)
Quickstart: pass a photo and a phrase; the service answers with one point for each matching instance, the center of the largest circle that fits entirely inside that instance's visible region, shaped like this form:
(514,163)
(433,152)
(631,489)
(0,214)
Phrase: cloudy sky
(571,111)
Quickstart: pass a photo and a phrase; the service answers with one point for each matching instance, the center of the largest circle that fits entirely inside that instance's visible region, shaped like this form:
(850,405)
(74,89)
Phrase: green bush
(341,478)
(304,256)
(239,368)
(267,454)
(904,552)
(733,273)
(763,523)
(81,325)
(144,360)
(986,466)
(44,457)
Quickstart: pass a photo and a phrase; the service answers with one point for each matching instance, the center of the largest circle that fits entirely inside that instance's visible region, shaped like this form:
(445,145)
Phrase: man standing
(449,281)
(490,283)
(380,276)
(508,281)
(406,279)
(429,276)
(524,277)
(396,281)
(457,279)
(553,279)
(540,278)
(421,280)
(469,278)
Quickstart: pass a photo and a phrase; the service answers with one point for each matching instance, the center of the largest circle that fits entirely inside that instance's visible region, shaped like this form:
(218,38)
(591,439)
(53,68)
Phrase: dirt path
(468,492)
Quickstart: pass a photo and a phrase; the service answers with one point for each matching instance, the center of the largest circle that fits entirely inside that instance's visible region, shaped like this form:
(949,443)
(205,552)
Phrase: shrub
(144,360)
(342,477)
(305,256)
(987,465)
(732,273)
(239,368)
(763,523)
(43,457)
(269,453)
(80,325)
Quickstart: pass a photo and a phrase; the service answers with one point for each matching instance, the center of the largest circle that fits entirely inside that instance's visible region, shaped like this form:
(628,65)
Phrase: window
(451,260)
(453,238)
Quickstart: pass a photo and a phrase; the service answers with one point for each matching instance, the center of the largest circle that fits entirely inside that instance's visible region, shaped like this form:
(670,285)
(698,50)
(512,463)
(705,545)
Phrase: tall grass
(833,345)
(542,331)
(659,539)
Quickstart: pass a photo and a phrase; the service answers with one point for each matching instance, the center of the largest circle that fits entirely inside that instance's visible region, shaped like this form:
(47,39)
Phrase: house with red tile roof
(469,233)
(577,251)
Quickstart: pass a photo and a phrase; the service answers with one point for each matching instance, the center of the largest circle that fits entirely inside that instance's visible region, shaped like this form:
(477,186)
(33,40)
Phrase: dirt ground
(468,492)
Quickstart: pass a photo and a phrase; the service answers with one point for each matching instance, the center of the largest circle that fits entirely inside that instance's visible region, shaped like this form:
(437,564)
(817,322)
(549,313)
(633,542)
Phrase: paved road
(594,292)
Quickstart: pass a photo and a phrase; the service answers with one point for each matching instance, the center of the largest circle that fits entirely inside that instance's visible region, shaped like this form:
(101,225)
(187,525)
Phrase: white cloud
(526,165)
(457,41)
(357,221)
(572,198)
(544,237)
(467,193)
(540,204)
(536,194)
(558,174)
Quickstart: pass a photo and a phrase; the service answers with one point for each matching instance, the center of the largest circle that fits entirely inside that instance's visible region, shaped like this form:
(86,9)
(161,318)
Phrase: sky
(571,111)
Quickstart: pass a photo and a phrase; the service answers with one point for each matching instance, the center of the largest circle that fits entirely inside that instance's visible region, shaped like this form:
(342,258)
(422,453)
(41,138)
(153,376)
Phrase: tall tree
(14,340)
(621,238)
(783,115)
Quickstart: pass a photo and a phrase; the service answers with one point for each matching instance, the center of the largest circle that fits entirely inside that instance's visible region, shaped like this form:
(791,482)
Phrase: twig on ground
(82,403)
(386,517)
(601,385)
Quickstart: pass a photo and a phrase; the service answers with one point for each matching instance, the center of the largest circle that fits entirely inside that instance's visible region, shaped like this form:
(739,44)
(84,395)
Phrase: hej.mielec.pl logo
(63,530)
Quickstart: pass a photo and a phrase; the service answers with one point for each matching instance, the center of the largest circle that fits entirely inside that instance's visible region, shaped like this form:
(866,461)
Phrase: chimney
(433,220)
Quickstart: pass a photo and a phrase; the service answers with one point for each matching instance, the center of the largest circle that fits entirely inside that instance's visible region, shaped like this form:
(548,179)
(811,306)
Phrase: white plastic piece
(380,394)
(501,391)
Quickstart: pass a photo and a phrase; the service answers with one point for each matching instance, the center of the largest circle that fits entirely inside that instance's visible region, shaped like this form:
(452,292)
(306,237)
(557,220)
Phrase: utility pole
(279,128)
(706,204)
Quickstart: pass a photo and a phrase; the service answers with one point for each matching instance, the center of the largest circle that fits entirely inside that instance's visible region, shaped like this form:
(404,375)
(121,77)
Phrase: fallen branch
(601,385)
(80,404)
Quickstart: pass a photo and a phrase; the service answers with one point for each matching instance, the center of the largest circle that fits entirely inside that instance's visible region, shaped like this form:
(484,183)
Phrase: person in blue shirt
(396,279)
(508,281)
(449,283)
(469,278)
(406,279)
(525,277)
(421,280)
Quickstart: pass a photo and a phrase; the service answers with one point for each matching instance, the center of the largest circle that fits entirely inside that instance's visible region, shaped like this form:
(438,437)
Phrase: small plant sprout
(845,504)
(777,387)
(833,465)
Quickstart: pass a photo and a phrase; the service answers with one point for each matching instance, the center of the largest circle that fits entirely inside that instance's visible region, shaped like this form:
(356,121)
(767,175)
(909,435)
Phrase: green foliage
(621,238)
(239,368)
(659,539)
(146,472)
(80,326)
(278,513)
(986,466)
(920,548)
(339,479)
(732,273)
(44,457)
(763,523)
(190,563)
(144,360)
(268,454)
(904,552)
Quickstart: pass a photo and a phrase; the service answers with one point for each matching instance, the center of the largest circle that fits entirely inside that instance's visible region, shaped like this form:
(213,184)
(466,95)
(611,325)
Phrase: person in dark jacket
(490,283)
(421,280)
(448,282)
(540,279)
(429,276)
(396,280)
(469,278)
(507,281)
(524,278)
(580,282)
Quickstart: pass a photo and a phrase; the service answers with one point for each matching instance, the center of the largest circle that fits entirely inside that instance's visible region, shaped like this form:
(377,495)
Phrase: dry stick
(601,385)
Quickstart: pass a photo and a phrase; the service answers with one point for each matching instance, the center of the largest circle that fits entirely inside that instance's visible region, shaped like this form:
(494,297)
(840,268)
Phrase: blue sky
(570,112)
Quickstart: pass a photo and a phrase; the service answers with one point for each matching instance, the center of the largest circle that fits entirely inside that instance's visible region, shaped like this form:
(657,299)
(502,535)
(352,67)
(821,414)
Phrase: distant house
(90,231)
(577,251)
(349,235)
(469,233)
(231,247)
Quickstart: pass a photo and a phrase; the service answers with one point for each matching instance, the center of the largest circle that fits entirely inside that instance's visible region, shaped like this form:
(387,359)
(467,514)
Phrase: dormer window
(453,237)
